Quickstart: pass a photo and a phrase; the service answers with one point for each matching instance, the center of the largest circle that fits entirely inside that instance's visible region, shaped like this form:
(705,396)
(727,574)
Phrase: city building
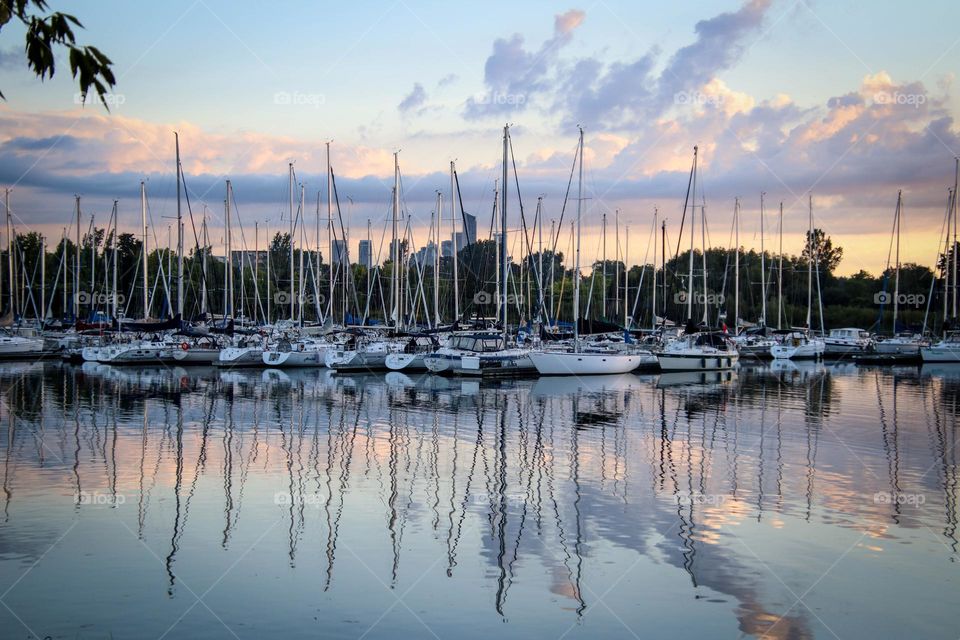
(365,253)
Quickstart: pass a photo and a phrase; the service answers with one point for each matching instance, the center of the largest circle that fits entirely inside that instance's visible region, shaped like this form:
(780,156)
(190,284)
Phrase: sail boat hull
(583,364)
(698,361)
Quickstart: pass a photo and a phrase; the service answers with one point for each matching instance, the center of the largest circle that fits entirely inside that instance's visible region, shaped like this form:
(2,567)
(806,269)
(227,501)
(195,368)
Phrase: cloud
(12,58)
(513,75)
(414,100)
(447,80)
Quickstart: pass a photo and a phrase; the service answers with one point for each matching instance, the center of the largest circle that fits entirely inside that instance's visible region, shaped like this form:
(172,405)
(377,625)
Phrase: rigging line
(350,283)
(523,217)
(686,200)
(566,198)
(243,242)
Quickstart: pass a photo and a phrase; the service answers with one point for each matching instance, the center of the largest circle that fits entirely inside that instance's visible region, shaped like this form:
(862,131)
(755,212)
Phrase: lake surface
(789,502)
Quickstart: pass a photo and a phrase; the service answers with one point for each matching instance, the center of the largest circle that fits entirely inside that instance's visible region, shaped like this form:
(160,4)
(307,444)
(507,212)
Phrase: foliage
(88,64)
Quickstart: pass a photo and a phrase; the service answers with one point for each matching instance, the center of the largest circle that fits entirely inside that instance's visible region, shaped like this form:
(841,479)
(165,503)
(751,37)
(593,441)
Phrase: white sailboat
(901,344)
(508,361)
(801,345)
(697,351)
(574,359)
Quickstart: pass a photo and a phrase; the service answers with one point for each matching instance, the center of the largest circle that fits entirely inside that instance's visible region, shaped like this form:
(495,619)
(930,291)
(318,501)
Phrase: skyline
(734,78)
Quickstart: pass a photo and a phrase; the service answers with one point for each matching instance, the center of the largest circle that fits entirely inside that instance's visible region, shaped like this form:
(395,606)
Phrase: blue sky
(795,83)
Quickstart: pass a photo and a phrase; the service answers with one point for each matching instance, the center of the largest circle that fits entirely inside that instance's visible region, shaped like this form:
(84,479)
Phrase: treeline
(855,300)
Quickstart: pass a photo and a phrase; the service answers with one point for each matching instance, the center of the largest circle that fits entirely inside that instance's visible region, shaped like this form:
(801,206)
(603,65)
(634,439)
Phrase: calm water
(794,502)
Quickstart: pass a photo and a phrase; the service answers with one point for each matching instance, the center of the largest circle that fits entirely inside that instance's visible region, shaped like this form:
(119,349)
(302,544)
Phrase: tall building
(339,251)
(397,248)
(446,249)
(365,252)
(470,227)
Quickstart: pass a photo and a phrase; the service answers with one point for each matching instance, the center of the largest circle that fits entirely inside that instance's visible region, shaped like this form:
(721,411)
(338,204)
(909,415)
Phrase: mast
(956,254)
(230,250)
(736,261)
(453,242)
(395,247)
(496,261)
(810,250)
(268,274)
(553,263)
(206,244)
(947,251)
(63,242)
(763,263)
(503,234)
(780,271)
(176,138)
(303,245)
(663,268)
(143,248)
(603,287)
(330,232)
(43,280)
(896,281)
(693,227)
(115,247)
(653,319)
(436,261)
(76,275)
(169,262)
(703,255)
(293,285)
(626,272)
(616,265)
(576,268)
(256,264)
(93,258)
(10,278)
(540,295)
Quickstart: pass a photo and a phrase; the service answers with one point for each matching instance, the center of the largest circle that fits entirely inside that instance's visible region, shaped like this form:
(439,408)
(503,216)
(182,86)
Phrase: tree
(827,256)
(88,65)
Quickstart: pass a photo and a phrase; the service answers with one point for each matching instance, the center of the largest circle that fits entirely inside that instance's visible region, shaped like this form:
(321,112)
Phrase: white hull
(497,364)
(842,349)
(406,362)
(356,360)
(441,362)
(196,355)
(308,358)
(898,347)
(583,364)
(697,361)
(135,353)
(16,346)
(806,351)
(941,353)
(240,357)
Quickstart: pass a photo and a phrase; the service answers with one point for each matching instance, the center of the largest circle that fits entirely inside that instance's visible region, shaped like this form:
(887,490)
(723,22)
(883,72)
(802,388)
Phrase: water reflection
(556,505)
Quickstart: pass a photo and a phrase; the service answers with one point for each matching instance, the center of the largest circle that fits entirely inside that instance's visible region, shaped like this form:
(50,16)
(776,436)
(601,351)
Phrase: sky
(844,102)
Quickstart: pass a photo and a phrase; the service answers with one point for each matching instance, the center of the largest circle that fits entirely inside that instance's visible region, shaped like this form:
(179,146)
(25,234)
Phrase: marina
(398,320)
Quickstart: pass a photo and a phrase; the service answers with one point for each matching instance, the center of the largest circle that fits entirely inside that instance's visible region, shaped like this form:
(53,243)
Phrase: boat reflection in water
(768,501)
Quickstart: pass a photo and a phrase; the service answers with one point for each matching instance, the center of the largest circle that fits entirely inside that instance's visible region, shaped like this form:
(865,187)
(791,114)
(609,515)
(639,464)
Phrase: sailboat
(12,345)
(575,360)
(155,349)
(801,345)
(948,348)
(901,345)
(508,360)
(246,350)
(697,350)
